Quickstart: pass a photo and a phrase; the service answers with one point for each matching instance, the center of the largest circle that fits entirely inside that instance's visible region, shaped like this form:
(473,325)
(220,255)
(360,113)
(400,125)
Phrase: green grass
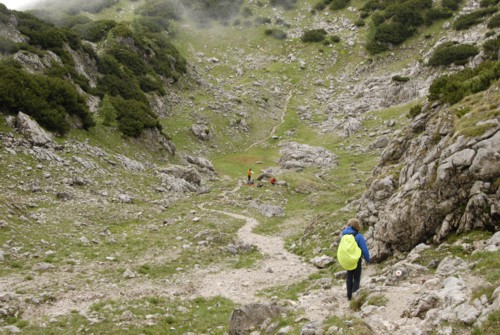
(154,315)
(480,107)
(296,290)
(348,325)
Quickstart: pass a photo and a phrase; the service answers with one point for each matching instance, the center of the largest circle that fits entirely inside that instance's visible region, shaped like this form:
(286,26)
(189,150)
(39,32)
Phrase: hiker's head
(354,223)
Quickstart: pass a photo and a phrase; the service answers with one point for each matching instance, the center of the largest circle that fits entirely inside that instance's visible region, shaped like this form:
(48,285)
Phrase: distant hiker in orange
(249,174)
(272,181)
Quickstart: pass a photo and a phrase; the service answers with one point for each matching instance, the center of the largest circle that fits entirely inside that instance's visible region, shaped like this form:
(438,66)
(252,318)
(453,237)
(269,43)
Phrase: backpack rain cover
(348,252)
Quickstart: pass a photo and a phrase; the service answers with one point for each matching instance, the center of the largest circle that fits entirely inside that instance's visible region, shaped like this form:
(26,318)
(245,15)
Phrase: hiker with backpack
(351,249)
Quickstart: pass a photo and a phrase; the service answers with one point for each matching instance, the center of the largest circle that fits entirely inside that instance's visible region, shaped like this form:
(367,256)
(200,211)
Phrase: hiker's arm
(364,249)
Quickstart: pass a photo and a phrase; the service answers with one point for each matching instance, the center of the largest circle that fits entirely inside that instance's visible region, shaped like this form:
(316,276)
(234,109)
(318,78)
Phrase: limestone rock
(295,155)
(321,261)
(32,131)
(250,317)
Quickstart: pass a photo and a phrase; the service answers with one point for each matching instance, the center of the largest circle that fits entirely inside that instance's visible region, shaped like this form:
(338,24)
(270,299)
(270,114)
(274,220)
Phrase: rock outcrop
(296,156)
(32,130)
(434,181)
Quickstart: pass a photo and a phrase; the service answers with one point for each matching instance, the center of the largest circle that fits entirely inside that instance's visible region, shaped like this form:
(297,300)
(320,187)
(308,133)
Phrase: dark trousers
(352,280)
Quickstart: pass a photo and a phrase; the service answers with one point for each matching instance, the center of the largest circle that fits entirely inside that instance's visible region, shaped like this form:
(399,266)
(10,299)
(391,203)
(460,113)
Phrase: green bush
(488,3)
(400,79)
(315,35)
(468,20)
(393,32)
(262,20)
(375,47)
(494,22)
(71,21)
(287,4)
(167,9)
(48,100)
(449,53)
(246,12)
(321,5)
(360,23)
(95,31)
(452,5)
(414,111)
(339,4)
(276,33)
(491,47)
(7,46)
(452,88)
(335,39)
(435,14)
(133,116)
(108,112)
(130,59)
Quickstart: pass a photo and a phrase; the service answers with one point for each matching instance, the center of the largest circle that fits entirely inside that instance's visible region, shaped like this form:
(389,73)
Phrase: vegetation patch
(468,20)
(453,88)
(452,52)
(314,35)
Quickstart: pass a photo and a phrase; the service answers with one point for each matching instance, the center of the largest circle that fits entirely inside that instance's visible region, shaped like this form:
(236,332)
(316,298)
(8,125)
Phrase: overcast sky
(16,4)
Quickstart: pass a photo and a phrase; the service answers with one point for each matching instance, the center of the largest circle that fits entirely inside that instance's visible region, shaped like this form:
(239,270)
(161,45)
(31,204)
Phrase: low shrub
(414,111)
(494,22)
(315,35)
(452,5)
(468,20)
(133,116)
(360,23)
(48,100)
(287,4)
(339,4)
(449,53)
(95,31)
(488,3)
(491,47)
(263,20)
(400,79)
(452,88)
(276,33)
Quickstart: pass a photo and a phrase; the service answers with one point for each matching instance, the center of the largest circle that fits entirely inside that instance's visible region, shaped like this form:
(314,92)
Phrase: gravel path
(279,267)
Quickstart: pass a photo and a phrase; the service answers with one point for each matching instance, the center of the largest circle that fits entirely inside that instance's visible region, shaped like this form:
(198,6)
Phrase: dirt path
(279,267)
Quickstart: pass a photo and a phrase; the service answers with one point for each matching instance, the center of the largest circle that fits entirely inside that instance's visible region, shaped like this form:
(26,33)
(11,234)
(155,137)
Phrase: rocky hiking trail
(65,292)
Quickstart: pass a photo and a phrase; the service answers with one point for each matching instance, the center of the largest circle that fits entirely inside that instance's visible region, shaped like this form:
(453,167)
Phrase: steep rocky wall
(434,181)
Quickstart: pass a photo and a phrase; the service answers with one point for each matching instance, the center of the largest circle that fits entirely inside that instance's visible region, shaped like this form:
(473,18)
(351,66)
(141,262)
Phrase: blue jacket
(360,240)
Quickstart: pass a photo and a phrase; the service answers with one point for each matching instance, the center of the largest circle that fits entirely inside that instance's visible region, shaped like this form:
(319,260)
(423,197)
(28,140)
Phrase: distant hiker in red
(249,174)
(272,181)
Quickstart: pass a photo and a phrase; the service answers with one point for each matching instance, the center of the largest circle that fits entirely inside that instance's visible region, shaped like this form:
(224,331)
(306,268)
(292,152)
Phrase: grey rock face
(268,210)
(180,179)
(439,183)
(295,155)
(32,131)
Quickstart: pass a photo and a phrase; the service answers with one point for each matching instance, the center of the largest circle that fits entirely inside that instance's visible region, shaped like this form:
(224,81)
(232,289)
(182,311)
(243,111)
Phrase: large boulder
(201,131)
(250,317)
(295,156)
(32,130)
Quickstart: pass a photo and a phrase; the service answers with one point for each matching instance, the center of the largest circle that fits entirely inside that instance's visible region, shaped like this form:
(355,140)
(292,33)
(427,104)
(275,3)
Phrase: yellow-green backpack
(348,252)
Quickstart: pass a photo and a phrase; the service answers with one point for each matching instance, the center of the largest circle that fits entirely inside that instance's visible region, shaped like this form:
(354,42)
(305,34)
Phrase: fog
(17,4)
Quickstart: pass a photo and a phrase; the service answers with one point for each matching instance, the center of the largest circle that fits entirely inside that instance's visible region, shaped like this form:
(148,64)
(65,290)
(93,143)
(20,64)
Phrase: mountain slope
(108,233)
